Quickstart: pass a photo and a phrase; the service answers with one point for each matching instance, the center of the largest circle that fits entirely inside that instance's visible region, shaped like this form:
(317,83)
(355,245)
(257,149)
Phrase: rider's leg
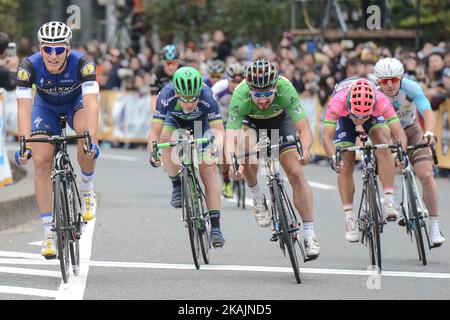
(424,171)
(302,194)
(386,168)
(303,199)
(87,165)
(170,160)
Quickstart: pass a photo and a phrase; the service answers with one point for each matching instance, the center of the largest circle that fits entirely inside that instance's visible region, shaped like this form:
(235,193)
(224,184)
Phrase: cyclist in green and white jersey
(267,102)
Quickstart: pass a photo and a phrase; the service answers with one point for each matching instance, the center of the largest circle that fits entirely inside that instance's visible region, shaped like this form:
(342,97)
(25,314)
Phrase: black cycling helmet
(170,52)
(261,75)
(216,67)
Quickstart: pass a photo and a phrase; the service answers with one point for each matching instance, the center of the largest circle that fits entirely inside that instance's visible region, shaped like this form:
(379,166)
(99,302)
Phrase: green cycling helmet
(187,81)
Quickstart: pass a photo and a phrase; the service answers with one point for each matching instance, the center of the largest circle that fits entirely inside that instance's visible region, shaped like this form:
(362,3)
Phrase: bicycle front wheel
(60,216)
(375,223)
(75,226)
(282,209)
(415,219)
(189,217)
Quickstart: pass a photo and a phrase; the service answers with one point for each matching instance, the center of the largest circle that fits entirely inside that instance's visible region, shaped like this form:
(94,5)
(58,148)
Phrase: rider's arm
(415,92)
(334,110)
(89,90)
(236,113)
(24,94)
(386,110)
(159,116)
(306,134)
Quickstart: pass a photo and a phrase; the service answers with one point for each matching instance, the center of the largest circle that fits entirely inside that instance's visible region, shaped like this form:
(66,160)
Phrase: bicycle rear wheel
(416,221)
(62,235)
(189,217)
(75,226)
(282,209)
(375,223)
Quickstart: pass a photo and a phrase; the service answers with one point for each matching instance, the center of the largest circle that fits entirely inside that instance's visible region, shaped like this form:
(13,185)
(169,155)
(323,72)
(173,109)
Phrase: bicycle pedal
(311,258)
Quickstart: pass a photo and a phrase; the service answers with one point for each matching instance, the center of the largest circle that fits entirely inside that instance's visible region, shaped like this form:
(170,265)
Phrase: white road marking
(33,272)
(322,186)
(119,157)
(74,288)
(36,243)
(13,254)
(141,265)
(28,291)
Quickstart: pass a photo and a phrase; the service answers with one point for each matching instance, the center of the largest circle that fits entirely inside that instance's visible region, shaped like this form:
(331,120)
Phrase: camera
(11,49)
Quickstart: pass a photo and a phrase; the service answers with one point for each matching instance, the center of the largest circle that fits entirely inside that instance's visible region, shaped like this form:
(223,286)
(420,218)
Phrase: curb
(17,202)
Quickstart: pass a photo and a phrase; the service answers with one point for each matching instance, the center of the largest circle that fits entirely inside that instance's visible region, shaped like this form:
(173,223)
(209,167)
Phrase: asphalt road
(137,248)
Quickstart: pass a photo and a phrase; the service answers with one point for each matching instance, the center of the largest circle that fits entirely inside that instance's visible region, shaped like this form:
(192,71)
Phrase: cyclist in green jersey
(269,104)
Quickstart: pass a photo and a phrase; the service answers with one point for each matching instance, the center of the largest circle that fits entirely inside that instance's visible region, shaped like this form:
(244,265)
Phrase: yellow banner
(443,134)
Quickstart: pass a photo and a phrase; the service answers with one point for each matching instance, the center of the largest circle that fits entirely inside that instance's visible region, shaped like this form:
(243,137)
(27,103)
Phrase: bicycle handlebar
(156,146)
(264,142)
(55,140)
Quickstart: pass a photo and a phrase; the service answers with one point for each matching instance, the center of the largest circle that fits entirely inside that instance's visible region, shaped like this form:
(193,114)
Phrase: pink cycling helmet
(361,98)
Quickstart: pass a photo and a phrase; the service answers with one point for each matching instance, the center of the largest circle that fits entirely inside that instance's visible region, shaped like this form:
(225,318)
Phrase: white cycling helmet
(388,68)
(53,32)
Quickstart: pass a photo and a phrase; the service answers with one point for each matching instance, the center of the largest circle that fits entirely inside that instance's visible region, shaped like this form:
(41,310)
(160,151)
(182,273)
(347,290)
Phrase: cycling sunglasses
(57,50)
(385,81)
(188,99)
(171,62)
(262,94)
(354,116)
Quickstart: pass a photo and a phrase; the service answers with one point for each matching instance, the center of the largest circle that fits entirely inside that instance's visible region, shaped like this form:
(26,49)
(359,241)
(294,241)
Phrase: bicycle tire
(203,224)
(75,225)
(285,227)
(62,234)
(188,215)
(374,216)
(417,222)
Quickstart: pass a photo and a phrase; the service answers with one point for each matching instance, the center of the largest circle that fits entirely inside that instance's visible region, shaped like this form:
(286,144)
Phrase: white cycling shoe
(351,230)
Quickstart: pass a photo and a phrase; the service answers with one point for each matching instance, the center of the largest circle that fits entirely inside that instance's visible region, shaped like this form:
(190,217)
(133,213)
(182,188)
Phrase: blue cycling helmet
(170,52)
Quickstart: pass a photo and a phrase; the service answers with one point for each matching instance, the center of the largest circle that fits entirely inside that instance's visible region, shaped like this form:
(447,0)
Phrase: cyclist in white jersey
(408,99)
(223,90)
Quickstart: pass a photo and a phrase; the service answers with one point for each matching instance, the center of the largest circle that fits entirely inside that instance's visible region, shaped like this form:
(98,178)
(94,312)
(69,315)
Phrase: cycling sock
(175,181)
(434,224)
(87,183)
(225,177)
(214,216)
(348,209)
(388,195)
(257,191)
(47,222)
(308,229)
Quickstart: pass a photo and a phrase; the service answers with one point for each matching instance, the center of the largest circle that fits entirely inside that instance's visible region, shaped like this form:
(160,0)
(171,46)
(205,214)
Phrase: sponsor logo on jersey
(23,75)
(88,69)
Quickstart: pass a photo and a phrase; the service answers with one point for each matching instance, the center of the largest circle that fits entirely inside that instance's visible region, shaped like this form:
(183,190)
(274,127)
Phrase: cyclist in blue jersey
(65,82)
(407,97)
(187,103)
(216,70)
(223,91)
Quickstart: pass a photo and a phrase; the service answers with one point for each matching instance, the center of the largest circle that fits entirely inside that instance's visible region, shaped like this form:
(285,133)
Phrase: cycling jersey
(409,99)
(56,94)
(242,106)
(57,89)
(167,105)
(223,95)
(160,78)
(337,106)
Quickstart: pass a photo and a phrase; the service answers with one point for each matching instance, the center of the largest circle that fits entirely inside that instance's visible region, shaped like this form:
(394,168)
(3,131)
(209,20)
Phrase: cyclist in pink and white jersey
(356,102)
